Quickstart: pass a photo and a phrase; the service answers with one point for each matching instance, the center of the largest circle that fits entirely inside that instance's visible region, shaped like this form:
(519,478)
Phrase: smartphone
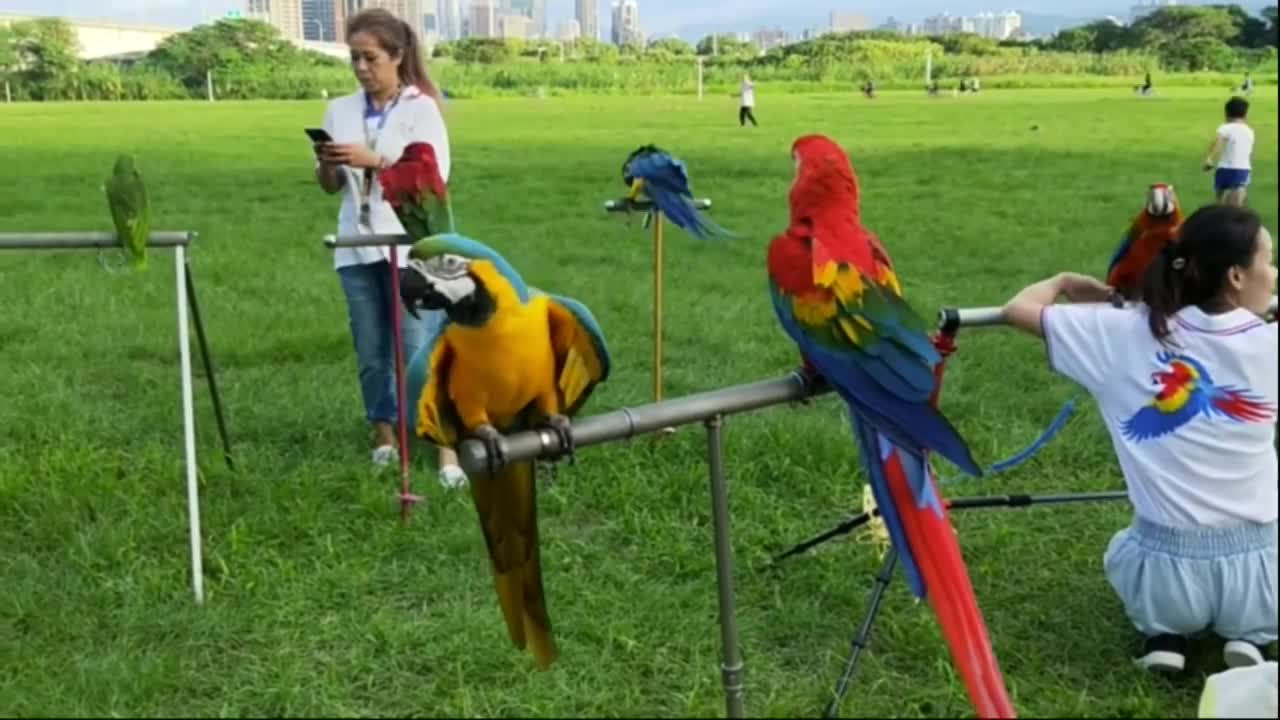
(318,135)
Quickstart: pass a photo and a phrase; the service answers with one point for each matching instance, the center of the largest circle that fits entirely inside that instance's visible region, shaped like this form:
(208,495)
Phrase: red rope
(407,499)
(945,343)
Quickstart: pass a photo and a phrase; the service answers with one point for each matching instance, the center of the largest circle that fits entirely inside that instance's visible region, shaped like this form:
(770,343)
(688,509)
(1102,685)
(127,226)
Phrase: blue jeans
(369,298)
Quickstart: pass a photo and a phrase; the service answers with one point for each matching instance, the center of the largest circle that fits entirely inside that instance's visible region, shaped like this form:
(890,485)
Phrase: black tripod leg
(861,640)
(208,367)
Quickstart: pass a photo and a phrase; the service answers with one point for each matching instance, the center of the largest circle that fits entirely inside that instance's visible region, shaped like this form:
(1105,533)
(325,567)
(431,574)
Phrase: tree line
(250,59)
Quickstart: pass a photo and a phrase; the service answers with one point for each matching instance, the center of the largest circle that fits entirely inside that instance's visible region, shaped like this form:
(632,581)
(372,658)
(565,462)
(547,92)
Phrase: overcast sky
(657,17)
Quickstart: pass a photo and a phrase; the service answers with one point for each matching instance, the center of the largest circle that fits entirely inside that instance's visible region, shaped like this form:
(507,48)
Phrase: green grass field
(321,603)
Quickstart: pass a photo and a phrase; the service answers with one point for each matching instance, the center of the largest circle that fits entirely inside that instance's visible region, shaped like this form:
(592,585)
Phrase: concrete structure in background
(101,40)
(449,13)
(587,13)
(284,15)
(766,40)
(322,20)
(482,19)
(105,40)
(569,30)
(848,21)
(626,23)
(515,27)
(534,10)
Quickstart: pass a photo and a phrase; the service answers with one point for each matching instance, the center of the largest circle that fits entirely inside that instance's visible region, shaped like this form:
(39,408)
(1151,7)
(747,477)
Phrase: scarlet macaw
(1153,229)
(837,296)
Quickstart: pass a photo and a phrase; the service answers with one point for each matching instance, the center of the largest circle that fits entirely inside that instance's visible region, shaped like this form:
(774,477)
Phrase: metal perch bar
(357,241)
(88,240)
(643,205)
(630,422)
(708,408)
(953,318)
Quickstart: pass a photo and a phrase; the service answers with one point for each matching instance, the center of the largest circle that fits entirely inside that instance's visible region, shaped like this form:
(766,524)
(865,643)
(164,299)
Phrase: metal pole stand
(731,666)
(185,300)
(391,242)
(950,320)
(655,217)
(709,408)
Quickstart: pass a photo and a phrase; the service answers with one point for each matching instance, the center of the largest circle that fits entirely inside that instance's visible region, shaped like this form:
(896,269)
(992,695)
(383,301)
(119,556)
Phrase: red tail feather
(936,552)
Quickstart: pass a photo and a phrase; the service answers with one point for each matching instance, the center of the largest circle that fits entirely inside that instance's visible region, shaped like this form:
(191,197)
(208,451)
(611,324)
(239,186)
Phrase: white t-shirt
(415,118)
(748,94)
(1192,420)
(1237,147)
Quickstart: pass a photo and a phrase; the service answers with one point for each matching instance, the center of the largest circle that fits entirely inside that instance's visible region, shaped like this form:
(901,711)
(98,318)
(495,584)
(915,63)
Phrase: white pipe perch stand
(179,241)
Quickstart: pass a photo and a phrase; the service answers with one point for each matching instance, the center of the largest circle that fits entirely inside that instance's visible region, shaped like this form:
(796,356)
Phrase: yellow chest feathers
(506,362)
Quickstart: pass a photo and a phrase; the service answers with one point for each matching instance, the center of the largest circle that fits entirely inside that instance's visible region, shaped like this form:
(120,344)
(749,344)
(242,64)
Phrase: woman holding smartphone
(397,104)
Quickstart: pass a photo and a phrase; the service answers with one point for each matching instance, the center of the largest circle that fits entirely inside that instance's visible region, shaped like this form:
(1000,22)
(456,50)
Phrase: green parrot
(130,211)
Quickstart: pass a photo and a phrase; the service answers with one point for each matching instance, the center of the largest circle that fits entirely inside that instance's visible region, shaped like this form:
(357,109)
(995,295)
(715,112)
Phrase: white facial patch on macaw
(449,275)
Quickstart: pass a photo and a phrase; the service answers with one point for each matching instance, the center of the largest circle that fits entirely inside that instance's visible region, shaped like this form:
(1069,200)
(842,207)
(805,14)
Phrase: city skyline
(657,18)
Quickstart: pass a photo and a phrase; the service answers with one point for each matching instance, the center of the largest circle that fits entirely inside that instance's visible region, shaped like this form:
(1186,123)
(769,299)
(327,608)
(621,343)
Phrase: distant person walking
(748,97)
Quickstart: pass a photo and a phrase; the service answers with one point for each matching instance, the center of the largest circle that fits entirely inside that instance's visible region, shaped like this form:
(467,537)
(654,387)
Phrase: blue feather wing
(863,382)
(666,183)
(1125,243)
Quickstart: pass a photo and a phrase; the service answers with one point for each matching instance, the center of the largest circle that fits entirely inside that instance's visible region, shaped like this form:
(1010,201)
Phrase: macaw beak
(637,186)
(414,289)
(1160,201)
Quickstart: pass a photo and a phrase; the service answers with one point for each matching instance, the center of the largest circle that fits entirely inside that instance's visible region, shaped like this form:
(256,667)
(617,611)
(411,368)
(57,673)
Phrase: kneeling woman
(1186,382)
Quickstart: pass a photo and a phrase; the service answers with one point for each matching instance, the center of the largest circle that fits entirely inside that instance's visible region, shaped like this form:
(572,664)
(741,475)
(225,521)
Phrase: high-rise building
(766,40)
(534,10)
(430,24)
(449,13)
(515,27)
(848,21)
(587,12)
(482,19)
(626,23)
(284,15)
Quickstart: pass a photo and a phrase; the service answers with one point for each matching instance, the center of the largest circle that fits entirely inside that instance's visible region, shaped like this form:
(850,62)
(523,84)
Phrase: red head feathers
(823,177)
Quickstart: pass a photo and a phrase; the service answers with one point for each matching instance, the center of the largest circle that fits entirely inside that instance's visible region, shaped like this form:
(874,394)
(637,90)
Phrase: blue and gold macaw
(664,180)
(508,358)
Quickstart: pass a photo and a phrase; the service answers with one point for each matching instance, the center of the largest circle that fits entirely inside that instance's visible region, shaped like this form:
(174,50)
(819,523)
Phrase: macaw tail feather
(681,211)
(920,529)
(507,508)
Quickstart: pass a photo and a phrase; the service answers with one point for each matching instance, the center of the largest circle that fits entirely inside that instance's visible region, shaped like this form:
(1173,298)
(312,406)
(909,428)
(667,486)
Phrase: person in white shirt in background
(1231,153)
(1186,383)
(398,104)
(748,102)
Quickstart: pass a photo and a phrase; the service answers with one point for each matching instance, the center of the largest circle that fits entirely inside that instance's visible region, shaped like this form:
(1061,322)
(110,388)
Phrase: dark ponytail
(396,37)
(413,71)
(1193,269)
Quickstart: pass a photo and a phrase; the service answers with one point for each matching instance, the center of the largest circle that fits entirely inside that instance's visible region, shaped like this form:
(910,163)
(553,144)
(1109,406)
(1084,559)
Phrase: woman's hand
(351,155)
(1084,289)
(1023,310)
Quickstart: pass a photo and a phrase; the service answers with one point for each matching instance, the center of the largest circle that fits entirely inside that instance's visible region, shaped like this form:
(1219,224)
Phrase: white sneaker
(452,477)
(385,455)
(1238,653)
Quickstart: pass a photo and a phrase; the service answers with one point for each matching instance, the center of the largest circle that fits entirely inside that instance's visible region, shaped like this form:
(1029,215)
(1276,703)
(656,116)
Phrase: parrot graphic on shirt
(836,294)
(130,210)
(417,193)
(653,173)
(507,358)
(1155,227)
(1187,391)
